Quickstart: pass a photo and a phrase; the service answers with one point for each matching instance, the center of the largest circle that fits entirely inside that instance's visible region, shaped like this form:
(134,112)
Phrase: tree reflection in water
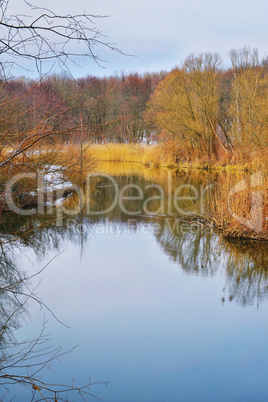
(197,252)
(24,363)
(204,253)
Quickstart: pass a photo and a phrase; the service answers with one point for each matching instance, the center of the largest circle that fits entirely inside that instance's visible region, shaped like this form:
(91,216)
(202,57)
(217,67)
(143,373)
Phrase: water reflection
(245,264)
(12,308)
(198,252)
(247,272)
(24,362)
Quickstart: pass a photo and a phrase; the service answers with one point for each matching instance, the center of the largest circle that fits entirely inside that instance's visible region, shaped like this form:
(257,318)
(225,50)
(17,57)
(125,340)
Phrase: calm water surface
(159,312)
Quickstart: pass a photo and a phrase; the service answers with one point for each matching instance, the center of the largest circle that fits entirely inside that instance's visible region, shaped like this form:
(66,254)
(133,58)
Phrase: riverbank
(238,193)
(168,155)
(238,206)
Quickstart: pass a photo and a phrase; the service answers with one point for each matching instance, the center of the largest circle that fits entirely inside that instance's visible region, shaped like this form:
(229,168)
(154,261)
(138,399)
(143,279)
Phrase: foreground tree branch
(44,36)
(25,362)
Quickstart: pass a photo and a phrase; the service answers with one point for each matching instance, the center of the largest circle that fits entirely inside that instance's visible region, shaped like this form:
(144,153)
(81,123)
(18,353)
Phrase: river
(162,310)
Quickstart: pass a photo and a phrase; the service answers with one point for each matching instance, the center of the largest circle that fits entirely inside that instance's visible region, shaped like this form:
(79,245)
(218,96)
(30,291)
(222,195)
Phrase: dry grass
(253,160)
(231,214)
(168,153)
(151,155)
(151,174)
(241,213)
(171,154)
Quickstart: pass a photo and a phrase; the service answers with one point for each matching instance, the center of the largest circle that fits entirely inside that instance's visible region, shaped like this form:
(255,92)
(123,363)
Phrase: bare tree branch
(45,36)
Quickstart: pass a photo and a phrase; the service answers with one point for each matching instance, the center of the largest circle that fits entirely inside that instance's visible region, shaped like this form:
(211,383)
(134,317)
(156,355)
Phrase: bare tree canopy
(44,36)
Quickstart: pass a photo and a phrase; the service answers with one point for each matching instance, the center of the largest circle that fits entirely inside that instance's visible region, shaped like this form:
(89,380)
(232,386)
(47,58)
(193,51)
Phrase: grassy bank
(236,214)
(238,199)
(151,155)
(169,154)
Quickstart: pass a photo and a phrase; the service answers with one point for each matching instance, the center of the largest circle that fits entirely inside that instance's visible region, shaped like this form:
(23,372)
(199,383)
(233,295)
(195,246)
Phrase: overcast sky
(161,33)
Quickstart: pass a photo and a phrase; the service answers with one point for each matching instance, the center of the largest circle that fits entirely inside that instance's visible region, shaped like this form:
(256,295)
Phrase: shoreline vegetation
(150,160)
(160,155)
(200,128)
(218,216)
(226,211)
(199,117)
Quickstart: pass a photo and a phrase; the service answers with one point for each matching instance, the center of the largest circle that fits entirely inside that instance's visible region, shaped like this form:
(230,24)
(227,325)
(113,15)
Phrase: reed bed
(150,155)
(156,175)
(170,154)
(239,208)
(234,214)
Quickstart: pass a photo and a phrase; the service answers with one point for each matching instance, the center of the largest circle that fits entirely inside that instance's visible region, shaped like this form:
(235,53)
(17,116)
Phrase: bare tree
(25,362)
(44,36)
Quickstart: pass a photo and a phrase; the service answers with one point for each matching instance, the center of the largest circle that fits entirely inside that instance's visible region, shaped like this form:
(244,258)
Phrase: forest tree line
(108,109)
(203,108)
(210,110)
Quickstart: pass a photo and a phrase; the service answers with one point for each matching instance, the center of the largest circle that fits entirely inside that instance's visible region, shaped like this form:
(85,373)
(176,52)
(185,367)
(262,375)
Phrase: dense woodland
(213,111)
(203,109)
(109,109)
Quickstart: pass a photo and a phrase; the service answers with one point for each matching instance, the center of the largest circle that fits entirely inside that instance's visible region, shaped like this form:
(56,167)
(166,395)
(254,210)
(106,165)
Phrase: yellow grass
(142,160)
(159,176)
(240,206)
(151,155)
(170,155)
(165,154)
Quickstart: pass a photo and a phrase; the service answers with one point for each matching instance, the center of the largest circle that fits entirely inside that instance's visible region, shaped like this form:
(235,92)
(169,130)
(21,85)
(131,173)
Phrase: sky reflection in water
(153,324)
